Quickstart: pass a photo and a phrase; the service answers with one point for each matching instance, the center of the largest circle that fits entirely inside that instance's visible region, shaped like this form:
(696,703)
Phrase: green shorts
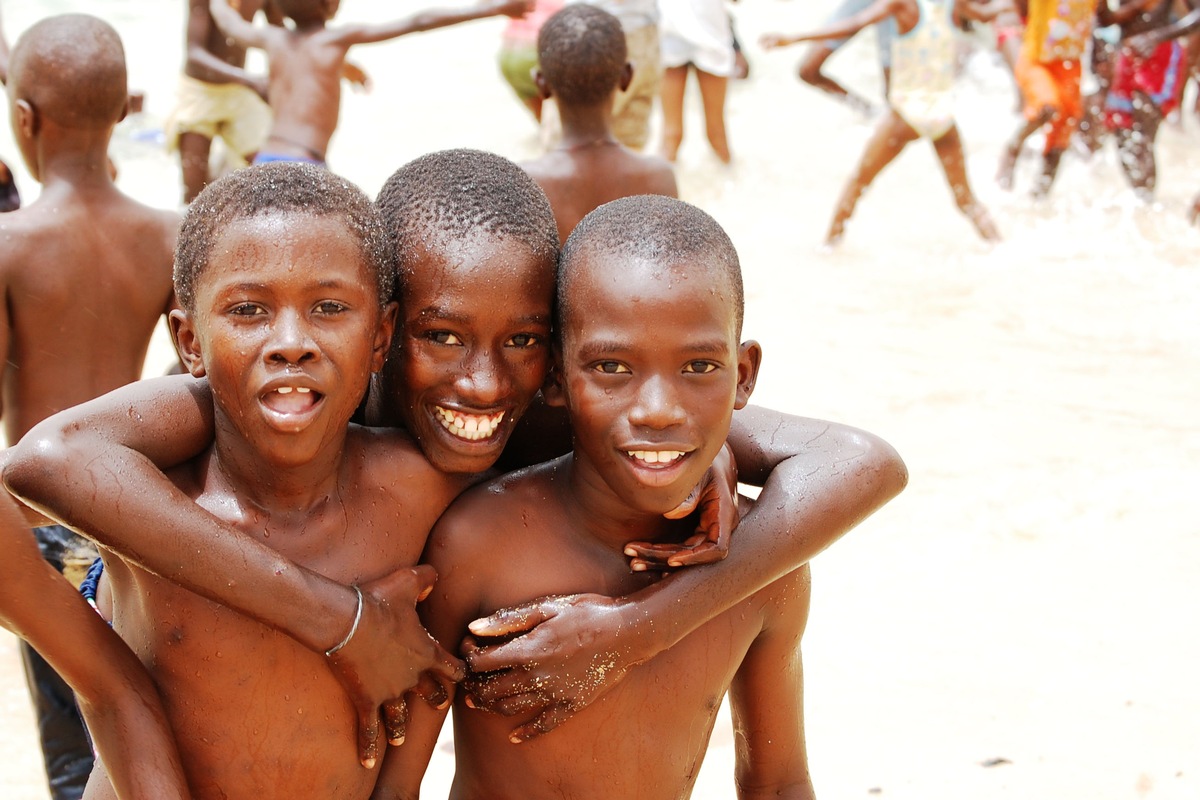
(517,63)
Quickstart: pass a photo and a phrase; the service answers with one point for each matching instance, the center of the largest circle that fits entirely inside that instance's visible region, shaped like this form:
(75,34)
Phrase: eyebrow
(437,312)
(604,347)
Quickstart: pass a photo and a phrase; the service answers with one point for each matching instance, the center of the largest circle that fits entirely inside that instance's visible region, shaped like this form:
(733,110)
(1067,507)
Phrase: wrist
(334,611)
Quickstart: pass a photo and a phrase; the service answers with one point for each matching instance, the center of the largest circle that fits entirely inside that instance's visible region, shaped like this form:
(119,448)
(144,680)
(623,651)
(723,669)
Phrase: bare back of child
(288,352)
(85,270)
(582,63)
(306,62)
(647,415)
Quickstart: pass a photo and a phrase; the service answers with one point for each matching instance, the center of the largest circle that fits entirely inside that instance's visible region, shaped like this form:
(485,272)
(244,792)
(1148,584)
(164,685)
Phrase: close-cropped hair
(71,69)
(655,229)
(279,188)
(457,193)
(293,9)
(581,54)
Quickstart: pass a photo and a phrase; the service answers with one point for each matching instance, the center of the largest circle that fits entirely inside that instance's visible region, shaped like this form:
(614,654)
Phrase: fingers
(511,621)
(434,689)
(545,722)
(425,576)
(704,553)
(368,737)
(445,667)
(395,720)
(690,502)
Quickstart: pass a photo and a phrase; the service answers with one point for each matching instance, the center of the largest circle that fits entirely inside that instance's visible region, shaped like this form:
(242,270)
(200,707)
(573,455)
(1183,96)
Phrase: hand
(357,76)
(389,654)
(771,41)
(567,652)
(516,8)
(716,497)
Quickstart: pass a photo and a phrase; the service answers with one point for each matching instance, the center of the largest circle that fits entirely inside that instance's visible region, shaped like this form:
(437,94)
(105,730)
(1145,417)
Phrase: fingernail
(369,763)
(629,551)
(515,739)
(445,703)
(638,567)
(396,742)
(470,702)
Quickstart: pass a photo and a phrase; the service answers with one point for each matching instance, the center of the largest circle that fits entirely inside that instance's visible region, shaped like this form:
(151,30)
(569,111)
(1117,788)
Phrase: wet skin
(463,369)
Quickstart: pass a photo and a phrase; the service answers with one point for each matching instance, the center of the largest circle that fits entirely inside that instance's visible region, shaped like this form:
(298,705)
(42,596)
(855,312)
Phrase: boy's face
(287,326)
(651,371)
(472,349)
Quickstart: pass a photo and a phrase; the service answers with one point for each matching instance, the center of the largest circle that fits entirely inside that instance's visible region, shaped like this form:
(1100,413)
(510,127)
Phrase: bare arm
(246,34)
(1146,41)
(199,27)
(877,11)
(824,479)
(429,20)
(123,711)
(96,467)
(985,11)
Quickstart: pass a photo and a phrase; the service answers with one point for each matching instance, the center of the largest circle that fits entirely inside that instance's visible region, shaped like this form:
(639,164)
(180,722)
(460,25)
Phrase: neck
(586,126)
(79,158)
(602,515)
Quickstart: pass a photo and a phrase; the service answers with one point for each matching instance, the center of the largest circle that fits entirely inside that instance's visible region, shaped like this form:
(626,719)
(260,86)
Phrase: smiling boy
(285,280)
(650,369)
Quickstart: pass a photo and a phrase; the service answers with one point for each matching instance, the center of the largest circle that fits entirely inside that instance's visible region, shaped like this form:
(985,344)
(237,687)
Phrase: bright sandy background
(1028,602)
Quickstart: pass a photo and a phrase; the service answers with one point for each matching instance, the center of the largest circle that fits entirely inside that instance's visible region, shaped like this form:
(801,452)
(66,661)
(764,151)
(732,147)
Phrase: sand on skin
(1027,602)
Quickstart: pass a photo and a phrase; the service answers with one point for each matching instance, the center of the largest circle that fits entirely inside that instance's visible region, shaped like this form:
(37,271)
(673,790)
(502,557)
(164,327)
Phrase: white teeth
(471,427)
(655,456)
(284,390)
(303,390)
(289,390)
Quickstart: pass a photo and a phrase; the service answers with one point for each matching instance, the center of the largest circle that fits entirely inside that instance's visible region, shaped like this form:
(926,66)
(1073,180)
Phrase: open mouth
(656,459)
(291,401)
(469,427)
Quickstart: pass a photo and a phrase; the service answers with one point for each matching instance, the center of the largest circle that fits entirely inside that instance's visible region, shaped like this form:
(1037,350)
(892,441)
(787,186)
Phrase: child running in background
(1048,75)
(85,276)
(1145,88)
(920,97)
(518,58)
(306,64)
(696,36)
(811,68)
(217,97)
(124,714)
(650,366)
(581,50)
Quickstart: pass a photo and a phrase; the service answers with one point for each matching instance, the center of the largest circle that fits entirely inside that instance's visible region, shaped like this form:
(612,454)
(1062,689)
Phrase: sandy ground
(1021,622)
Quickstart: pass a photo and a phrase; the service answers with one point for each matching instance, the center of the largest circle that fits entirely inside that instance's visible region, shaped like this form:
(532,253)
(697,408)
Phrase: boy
(920,98)
(217,97)
(306,64)
(476,245)
(84,276)
(124,713)
(285,280)
(810,70)
(650,369)
(1048,74)
(581,52)
(1145,88)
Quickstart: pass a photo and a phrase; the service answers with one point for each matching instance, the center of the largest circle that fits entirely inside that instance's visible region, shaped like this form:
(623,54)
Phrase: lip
(291,415)
(656,465)
(471,428)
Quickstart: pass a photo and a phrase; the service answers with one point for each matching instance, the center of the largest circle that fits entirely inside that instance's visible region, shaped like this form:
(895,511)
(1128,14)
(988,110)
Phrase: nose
(484,379)
(657,405)
(291,340)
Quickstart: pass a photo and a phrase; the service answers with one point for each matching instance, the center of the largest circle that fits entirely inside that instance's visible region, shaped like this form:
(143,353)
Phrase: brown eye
(700,367)
(524,340)
(443,337)
(610,367)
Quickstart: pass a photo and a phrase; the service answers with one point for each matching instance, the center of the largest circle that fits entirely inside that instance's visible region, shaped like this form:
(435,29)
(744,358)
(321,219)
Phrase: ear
(553,390)
(124,109)
(382,344)
(26,123)
(539,80)
(626,76)
(749,359)
(186,342)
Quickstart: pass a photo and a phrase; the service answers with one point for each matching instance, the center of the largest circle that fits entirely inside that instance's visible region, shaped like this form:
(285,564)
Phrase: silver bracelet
(353,626)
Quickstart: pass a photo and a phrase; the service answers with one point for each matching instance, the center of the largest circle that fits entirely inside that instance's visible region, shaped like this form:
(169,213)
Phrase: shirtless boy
(650,367)
(581,52)
(217,97)
(468,359)
(920,97)
(306,63)
(85,274)
(124,713)
(285,279)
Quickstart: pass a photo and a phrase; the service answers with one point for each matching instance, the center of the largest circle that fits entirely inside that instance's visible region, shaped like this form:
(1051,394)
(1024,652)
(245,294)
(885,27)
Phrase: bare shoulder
(389,459)
(659,175)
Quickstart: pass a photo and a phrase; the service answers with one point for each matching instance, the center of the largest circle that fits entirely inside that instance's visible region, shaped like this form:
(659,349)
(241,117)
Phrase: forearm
(1181,27)
(197,56)
(809,502)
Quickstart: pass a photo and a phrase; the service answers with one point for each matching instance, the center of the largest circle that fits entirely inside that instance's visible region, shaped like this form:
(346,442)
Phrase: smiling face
(651,371)
(472,349)
(287,325)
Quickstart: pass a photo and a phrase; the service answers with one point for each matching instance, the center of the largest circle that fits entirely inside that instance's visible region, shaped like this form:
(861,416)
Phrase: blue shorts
(274,158)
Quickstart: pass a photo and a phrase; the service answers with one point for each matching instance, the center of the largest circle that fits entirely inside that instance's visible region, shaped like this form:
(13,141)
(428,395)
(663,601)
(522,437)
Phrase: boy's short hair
(460,192)
(650,228)
(581,54)
(71,69)
(279,188)
(298,8)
